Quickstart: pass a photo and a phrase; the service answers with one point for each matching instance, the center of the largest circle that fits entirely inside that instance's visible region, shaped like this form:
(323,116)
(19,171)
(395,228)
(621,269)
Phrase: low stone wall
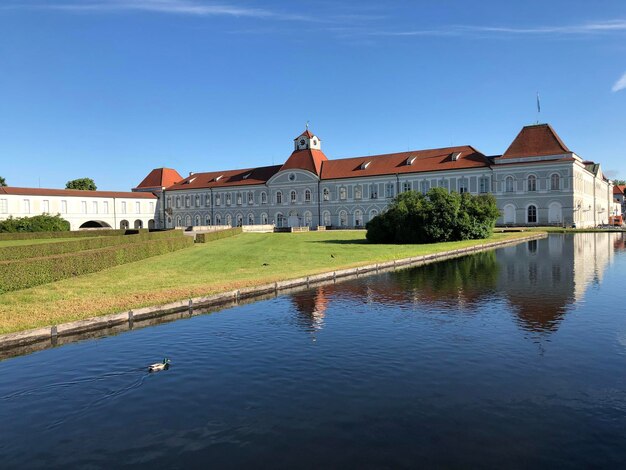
(258,228)
(15,344)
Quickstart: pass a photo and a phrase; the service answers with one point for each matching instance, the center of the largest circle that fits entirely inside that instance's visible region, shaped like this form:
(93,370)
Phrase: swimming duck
(159,366)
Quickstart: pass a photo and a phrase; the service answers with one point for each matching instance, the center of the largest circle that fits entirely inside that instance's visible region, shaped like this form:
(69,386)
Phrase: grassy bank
(203,269)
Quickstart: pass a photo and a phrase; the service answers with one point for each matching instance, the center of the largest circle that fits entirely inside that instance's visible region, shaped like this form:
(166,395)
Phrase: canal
(513,358)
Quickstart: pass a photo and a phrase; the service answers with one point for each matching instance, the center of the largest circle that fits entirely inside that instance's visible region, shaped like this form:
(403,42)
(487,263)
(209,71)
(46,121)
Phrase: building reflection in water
(540,281)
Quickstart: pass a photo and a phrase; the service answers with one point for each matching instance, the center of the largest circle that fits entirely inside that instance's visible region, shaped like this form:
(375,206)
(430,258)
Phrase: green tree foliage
(438,216)
(38,223)
(86,184)
(619,182)
(3,182)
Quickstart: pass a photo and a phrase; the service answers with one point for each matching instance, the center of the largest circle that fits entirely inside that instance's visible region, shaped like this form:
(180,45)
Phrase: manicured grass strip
(25,273)
(82,244)
(204,269)
(217,235)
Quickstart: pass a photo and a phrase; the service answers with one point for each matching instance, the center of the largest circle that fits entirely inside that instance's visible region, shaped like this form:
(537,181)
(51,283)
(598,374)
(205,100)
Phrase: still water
(514,358)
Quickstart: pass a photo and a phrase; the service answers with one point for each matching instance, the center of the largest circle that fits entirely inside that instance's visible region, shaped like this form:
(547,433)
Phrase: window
(343,218)
(218,200)
(308,218)
(63,207)
(484,185)
(94,207)
(326,218)
(188,220)
(239,220)
(532,214)
(358,192)
(178,203)
(198,202)
(358,218)
(279,198)
(26,206)
(188,204)
(264,218)
(228,200)
(326,194)
(137,207)
(218,219)
(229,220)
(179,221)
(105,207)
(250,219)
(389,190)
(307,196)
(83,206)
(152,207)
(197,222)
(293,196)
(250,197)
(168,203)
(123,207)
(263,198)
(45,207)
(207,201)
(555,182)
(508,184)
(532,183)
(279,220)
(343,193)
(406,186)
(207,220)
(4,206)
(462,186)
(239,199)
(373,213)
(374,193)
(425,186)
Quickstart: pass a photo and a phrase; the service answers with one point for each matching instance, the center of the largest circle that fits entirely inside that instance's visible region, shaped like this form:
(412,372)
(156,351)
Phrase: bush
(210,236)
(72,234)
(24,273)
(438,216)
(38,223)
(73,246)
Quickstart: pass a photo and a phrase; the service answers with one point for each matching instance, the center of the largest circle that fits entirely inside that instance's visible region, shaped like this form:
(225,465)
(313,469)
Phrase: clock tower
(307,141)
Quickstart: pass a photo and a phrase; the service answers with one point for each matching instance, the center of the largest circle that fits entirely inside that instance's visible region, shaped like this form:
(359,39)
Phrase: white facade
(82,209)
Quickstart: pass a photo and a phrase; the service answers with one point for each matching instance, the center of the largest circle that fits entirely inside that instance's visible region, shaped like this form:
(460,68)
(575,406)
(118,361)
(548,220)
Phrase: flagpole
(538,107)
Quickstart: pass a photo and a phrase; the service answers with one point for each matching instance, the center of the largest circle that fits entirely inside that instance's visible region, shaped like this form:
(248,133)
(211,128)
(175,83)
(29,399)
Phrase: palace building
(538,180)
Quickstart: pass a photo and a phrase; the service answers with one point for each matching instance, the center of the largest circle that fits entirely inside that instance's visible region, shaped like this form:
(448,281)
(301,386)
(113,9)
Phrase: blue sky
(110,89)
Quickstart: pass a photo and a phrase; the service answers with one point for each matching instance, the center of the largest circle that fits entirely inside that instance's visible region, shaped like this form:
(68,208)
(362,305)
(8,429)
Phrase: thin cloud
(620,84)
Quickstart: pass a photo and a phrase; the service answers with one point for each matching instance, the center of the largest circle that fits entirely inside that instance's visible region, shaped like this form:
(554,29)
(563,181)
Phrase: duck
(159,366)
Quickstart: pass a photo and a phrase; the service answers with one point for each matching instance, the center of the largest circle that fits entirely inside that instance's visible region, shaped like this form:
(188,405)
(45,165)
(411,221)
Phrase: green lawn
(35,241)
(203,269)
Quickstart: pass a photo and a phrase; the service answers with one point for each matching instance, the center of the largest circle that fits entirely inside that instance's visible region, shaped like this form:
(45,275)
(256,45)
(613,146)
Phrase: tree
(437,216)
(619,182)
(38,223)
(2,181)
(86,184)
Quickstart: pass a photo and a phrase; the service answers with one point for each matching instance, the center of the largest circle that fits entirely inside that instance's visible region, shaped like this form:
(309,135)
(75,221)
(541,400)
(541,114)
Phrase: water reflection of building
(311,308)
(540,280)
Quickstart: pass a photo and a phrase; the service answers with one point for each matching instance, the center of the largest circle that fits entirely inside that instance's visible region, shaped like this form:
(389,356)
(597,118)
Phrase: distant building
(619,193)
(537,181)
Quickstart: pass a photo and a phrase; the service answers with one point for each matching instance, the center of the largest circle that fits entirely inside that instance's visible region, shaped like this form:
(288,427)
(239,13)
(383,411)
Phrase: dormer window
(246,176)
(219,177)
(410,160)
(364,165)
(455,156)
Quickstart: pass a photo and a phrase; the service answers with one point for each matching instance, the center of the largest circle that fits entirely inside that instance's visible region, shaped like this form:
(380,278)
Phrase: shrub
(210,236)
(72,234)
(438,216)
(82,244)
(24,273)
(37,223)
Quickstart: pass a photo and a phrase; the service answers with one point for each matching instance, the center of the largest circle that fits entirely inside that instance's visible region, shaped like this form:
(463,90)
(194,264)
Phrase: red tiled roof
(425,160)
(536,141)
(160,178)
(72,193)
(308,159)
(216,179)
(306,133)
(619,189)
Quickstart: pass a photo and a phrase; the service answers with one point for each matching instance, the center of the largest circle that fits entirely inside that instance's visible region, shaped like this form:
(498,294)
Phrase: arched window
(250,219)
(239,220)
(326,218)
(197,221)
(264,219)
(373,213)
(263,198)
(279,197)
(307,195)
(280,220)
(188,221)
(343,218)
(326,194)
(293,196)
(218,219)
(358,192)
(508,184)
(179,221)
(207,220)
(308,218)
(532,183)
(532,214)
(229,220)
(358,218)
(555,182)
(343,193)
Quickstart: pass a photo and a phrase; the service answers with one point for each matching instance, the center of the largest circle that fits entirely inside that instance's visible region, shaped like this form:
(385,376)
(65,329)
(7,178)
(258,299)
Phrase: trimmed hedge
(74,234)
(73,246)
(25,273)
(210,236)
